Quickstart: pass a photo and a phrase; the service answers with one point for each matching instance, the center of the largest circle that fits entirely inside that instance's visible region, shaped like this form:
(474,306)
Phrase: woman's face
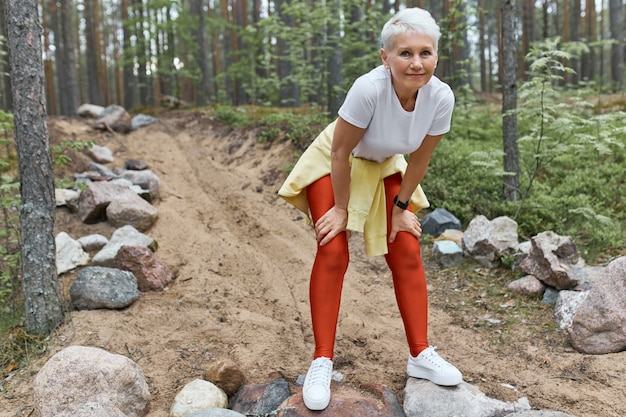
(412,60)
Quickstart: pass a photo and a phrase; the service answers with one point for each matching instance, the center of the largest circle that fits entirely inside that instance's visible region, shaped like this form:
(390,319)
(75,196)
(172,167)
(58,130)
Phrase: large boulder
(599,325)
(88,381)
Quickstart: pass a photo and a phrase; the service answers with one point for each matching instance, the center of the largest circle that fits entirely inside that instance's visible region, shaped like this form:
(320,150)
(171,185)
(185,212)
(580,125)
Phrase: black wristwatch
(403,205)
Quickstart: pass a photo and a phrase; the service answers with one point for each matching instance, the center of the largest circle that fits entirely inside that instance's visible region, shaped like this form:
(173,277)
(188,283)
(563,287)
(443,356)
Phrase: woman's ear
(383,57)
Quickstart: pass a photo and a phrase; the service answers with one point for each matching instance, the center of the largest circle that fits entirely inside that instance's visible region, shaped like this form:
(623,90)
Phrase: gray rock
(114,118)
(135,164)
(79,380)
(587,276)
(198,395)
(103,170)
(550,260)
(69,253)
(550,296)
(141,120)
(486,241)
(567,303)
(100,154)
(539,413)
(261,399)
(440,219)
(447,253)
(126,235)
(89,110)
(131,210)
(95,198)
(422,398)
(98,287)
(216,412)
(146,179)
(599,325)
(65,197)
(93,242)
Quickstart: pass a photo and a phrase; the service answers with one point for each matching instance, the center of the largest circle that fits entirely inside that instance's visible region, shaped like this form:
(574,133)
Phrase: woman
(354,177)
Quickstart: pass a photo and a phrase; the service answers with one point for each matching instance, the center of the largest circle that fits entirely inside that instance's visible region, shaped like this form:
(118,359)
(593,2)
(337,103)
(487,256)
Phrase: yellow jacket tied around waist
(366,207)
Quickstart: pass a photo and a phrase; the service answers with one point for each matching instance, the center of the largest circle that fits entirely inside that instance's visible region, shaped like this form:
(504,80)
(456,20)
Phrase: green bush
(232,116)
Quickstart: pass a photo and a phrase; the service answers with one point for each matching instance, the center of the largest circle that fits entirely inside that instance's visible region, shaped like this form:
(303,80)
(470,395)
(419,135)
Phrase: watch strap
(403,205)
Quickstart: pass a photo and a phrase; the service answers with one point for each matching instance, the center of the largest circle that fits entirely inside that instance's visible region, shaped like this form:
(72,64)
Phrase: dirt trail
(242,258)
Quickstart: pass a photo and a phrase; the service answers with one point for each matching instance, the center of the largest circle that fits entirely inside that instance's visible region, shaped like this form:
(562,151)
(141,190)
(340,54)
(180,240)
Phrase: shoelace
(321,372)
(434,358)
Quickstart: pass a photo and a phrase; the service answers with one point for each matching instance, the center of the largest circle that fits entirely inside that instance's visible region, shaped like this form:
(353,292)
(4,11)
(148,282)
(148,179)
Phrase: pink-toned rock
(371,401)
(527,285)
(151,274)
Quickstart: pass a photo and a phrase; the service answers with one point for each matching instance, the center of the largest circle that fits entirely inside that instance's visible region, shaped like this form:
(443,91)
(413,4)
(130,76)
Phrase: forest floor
(242,258)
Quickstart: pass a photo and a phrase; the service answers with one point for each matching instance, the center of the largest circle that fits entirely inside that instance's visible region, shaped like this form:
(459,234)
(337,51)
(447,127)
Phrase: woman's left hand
(404,221)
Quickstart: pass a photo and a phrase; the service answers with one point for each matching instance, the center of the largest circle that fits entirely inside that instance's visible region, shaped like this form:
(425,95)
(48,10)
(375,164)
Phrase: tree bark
(5,81)
(42,301)
(92,52)
(128,75)
(336,95)
(66,67)
(197,9)
(617,49)
(509,101)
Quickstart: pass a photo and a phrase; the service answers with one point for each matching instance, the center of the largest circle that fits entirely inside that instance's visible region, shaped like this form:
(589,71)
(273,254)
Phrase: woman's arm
(345,138)
(401,220)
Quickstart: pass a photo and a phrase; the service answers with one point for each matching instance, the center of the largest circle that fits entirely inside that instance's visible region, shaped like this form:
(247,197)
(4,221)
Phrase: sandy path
(242,258)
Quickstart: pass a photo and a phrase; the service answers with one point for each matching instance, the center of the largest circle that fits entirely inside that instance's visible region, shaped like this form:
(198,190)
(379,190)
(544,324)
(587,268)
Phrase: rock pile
(589,301)
(87,381)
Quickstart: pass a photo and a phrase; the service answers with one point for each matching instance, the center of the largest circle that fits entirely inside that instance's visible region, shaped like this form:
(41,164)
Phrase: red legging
(331,263)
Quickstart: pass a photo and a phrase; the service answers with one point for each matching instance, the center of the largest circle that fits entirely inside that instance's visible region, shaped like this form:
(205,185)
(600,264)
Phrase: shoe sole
(315,405)
(446,382)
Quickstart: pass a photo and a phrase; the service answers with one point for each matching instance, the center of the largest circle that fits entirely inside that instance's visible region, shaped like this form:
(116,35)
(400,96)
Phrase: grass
(477,298)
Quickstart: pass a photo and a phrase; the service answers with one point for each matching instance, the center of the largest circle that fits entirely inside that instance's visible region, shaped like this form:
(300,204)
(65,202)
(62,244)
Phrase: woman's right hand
(333,222)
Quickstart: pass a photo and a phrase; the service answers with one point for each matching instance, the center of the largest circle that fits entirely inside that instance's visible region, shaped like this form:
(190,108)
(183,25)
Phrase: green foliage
(571,156)
(232,116)
(9,206)
(9,238)
(300,129)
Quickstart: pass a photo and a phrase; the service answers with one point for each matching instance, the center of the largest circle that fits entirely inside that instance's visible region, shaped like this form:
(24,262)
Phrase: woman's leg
(329,268)
(409,282)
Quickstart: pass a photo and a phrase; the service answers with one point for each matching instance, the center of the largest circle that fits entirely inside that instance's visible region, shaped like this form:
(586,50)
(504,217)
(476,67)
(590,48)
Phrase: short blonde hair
(410,20)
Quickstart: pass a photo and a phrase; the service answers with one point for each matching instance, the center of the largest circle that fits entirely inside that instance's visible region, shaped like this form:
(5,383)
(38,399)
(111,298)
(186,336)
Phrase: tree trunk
(528,32)
(482,47)
(141,52)
(49,18)
(509,101)
(5,80)
(617,48)
(93,78)
(42,301)
(128,75)
(66,66)
(197,9)
(335,63)
(289,91)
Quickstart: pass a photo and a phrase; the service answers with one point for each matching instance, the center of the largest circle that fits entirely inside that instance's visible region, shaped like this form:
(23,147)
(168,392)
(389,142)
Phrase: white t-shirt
(372,103)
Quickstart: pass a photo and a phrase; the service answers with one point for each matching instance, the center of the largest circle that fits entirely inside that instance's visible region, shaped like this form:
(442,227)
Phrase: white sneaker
(429,365)
(316,388)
